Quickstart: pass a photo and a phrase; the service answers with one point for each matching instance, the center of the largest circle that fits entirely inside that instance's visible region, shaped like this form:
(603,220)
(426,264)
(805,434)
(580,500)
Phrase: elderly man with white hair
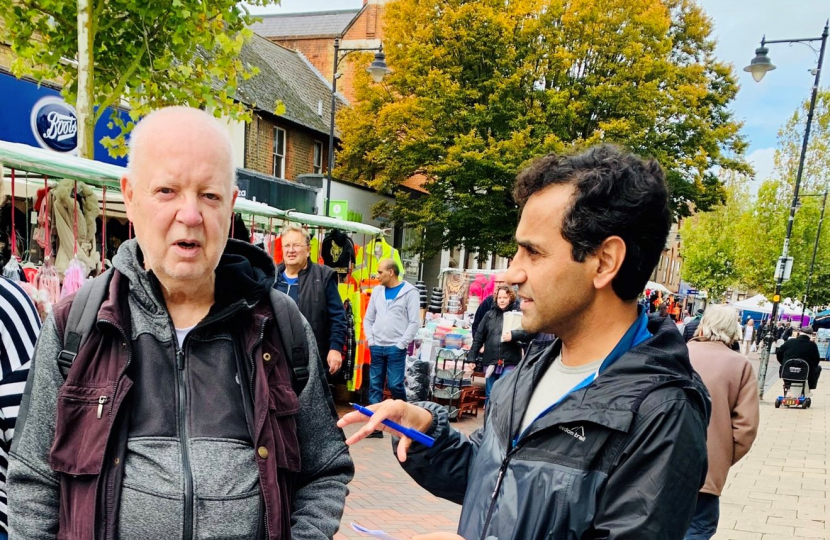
(193,405)
(733,425)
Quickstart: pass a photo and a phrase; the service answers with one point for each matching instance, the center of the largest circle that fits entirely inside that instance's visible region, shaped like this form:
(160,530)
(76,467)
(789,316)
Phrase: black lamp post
(759,67)
(378,70)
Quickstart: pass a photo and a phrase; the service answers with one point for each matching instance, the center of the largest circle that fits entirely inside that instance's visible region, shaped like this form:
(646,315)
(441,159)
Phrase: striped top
(19,328)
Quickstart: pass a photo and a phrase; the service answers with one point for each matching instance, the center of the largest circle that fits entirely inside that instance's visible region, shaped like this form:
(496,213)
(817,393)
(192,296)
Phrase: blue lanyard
(636,334)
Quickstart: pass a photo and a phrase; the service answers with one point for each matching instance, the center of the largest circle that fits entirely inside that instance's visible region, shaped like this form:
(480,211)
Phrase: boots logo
(577,432)
(55,125)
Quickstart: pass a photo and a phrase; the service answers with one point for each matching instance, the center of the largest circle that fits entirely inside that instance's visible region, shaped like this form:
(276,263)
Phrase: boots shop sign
(38,116)
(55,125)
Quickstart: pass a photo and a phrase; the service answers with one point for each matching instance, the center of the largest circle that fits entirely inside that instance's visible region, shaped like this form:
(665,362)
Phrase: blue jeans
(388,363)
(705,521)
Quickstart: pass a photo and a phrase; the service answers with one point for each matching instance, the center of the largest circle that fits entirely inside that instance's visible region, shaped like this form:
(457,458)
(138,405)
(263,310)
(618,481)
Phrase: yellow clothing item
(366,259)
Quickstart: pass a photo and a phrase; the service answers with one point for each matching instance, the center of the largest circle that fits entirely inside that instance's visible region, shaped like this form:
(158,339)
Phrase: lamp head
(378,70)
(759,65)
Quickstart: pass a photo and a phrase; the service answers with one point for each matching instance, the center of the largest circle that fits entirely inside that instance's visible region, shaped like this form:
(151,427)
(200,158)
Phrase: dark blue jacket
(622,458)
(320,304)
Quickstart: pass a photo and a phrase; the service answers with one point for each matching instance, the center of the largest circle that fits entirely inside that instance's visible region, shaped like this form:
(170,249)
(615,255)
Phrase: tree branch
(96,17)
(55,16)
(119,88)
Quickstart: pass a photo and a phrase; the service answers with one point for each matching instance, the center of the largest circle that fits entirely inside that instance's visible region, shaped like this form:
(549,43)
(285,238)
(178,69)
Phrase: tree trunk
(84,106)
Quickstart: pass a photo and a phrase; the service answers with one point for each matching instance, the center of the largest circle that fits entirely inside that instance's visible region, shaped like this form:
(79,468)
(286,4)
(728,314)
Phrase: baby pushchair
(795,372)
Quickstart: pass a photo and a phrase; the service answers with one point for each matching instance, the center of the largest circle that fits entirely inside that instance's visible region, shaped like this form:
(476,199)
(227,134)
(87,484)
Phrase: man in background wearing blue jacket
(391,322)
(601,434)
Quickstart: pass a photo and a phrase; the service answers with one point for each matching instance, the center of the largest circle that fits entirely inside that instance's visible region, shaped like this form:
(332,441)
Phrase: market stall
(61,206)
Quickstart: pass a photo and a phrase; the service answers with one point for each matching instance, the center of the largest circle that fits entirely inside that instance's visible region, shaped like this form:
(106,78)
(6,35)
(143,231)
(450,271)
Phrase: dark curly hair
(616,193)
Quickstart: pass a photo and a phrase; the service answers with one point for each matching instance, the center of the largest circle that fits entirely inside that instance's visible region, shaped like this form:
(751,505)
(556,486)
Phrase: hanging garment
(314,250)
(370,255)
(65,224)
(338,252)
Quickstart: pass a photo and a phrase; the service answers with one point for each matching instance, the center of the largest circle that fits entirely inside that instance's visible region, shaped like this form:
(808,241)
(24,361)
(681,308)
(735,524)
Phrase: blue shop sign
(38,116)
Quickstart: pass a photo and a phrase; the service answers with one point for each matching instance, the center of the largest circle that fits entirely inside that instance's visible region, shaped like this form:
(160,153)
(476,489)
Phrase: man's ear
(127,192)
(609,259)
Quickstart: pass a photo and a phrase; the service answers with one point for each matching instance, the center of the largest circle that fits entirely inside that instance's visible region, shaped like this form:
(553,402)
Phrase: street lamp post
(815,250)
(759,66)
(378,70)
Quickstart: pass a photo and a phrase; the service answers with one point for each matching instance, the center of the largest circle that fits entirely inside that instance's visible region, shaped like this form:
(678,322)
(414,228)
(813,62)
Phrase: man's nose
(190,213)
(514,275)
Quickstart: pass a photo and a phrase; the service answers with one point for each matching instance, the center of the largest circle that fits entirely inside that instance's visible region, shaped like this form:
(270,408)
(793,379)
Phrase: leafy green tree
(710,241)
(131,52)
(763,228)
(480,87)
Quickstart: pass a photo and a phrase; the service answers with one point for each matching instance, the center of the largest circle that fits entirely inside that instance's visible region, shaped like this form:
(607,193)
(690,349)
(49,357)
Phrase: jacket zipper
(183,436)
(109,510)
(495,495)
(251,382)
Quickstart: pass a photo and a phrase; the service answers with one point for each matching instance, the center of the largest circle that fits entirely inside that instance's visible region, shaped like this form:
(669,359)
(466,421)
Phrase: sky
(738,27)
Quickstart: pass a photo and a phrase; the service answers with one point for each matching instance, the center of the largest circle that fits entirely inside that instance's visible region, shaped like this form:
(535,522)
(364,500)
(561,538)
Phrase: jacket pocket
(283,405)
(82,428)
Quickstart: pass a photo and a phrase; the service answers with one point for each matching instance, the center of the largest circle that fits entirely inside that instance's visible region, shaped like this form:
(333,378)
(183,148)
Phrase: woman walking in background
(734,422)
(500,355)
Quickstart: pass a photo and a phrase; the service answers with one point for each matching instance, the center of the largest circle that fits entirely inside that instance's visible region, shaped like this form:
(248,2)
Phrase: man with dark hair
(391,322)
(602,433)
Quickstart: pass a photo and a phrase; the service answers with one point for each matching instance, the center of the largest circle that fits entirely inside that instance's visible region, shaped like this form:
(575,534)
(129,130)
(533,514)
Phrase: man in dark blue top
(314,288)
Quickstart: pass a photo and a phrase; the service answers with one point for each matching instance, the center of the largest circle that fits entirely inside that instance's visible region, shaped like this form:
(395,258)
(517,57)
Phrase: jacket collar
(246,274)
(611,399)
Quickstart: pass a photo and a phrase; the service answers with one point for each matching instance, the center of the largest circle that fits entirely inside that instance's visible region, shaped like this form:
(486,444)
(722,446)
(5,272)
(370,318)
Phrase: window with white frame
(279,152)
(317,167)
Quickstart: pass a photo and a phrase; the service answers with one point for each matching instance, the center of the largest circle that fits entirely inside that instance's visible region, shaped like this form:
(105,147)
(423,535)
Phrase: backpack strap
(81,319)
(292,332)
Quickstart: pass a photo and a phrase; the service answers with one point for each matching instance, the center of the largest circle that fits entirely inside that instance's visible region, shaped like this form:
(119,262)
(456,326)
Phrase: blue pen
(413,434)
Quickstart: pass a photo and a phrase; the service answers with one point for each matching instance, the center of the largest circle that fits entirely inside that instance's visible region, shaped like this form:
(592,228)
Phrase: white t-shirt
(554,384)
(181,333)
(748,331)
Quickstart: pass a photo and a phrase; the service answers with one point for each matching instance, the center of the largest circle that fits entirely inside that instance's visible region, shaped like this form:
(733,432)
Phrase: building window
(317,168)
(279,152)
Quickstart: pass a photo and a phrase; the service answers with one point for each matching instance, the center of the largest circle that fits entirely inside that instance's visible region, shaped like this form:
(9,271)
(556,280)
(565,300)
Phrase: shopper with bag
(749,331)
(501,352)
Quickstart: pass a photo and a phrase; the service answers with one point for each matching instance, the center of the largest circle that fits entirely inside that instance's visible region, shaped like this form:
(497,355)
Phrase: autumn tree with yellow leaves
(480,87)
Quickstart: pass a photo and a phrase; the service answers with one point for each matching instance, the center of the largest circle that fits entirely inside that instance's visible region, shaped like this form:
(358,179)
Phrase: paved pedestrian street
(779,490)
(382,496)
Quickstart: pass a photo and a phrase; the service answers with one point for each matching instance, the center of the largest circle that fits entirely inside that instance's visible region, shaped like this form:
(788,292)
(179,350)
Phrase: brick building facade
(313,35)
(298,145)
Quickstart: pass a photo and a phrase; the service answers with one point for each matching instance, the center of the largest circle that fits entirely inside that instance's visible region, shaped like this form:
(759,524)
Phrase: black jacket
(690,329)
(489,335)
(800,347)
(320,304)
(485,306)
(622,458)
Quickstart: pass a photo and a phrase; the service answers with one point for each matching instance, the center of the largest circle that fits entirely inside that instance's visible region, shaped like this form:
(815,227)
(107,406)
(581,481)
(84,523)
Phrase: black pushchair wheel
(807,403)
(777,403)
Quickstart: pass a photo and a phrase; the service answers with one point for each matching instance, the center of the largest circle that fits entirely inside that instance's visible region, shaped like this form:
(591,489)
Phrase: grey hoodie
(395,324)
(226,487)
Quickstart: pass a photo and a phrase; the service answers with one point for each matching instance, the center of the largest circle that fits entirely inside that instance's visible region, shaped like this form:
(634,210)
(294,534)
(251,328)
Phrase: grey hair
(143,131)
(295,227)
(718,324)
